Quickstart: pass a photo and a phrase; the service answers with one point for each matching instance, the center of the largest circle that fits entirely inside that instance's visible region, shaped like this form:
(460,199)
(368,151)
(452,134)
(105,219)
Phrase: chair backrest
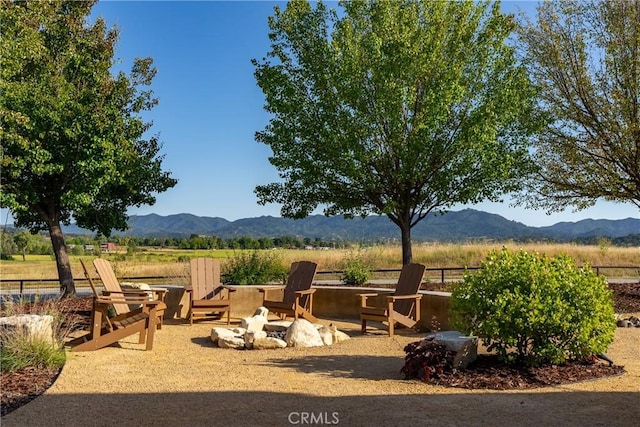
(89,279)
(205,279)
(300,278)
(110,282)
(408,284)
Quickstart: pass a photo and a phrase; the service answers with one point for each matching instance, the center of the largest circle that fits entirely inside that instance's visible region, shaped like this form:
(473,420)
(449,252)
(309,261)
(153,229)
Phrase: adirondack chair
(208,296)
(107,330)
(403,305)
(111,286)
(297,299)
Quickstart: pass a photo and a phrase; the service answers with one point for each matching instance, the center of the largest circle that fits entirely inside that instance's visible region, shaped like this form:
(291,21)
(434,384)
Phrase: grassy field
(169,262)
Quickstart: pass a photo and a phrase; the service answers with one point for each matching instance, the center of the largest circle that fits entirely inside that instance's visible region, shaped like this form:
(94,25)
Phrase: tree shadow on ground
(242,408)
(344,366)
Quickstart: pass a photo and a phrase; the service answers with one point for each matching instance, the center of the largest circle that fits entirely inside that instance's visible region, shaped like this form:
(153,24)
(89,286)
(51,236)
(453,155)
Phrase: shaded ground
(21,387)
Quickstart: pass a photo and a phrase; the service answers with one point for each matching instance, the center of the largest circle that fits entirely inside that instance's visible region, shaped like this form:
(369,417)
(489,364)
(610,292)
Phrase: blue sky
(210,106)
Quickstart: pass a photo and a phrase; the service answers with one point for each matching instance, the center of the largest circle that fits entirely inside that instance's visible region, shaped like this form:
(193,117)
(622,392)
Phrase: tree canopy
(584,57)
(394,108)
(72,136)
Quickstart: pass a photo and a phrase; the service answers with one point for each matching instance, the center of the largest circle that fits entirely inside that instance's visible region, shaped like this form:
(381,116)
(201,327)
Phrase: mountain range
(451,226)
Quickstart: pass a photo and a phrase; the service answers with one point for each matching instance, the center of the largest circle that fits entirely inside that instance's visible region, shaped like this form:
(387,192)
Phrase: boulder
(327,333)
(231,342)
(277,326)
(36,327)
(261,311)
(303,333)
(331,335)
(268,343)
(217,333)
(239,331)
(136,286)
(251,336)
(340,336)
(466,347)
(253,323)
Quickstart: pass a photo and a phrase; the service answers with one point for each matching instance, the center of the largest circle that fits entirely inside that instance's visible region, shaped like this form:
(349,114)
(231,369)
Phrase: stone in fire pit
(256,332)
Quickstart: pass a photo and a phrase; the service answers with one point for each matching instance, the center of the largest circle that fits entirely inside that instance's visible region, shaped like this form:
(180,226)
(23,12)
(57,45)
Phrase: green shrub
(254,268)
(535,310)
(355,271)
(20,351)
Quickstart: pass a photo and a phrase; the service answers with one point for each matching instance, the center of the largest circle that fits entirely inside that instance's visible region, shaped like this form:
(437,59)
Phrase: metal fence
(432,274)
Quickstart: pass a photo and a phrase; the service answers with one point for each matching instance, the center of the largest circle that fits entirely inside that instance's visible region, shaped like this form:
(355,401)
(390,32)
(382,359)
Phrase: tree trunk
(407,255)
(65,275)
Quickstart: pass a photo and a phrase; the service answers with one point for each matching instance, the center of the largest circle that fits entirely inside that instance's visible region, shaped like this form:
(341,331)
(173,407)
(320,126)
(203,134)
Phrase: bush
(254,268)
(535,310)
(426,361)
(355,271)
(20,351)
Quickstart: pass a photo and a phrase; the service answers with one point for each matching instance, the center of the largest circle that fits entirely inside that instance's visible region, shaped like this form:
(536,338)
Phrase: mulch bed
(20,387)
(487,372)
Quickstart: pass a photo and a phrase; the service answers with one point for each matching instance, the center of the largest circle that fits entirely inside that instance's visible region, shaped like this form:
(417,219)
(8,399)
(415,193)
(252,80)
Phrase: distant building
(88,248)
(108,247)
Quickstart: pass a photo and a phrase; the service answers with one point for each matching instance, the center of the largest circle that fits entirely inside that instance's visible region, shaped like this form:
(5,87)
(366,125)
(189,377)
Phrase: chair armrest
(306,292)
(400,297)
(161,292)
(368,295)
(229,288)
(270,288)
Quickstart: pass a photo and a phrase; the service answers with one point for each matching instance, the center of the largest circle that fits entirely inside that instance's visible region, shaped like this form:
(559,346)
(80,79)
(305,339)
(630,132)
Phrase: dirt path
(187,381)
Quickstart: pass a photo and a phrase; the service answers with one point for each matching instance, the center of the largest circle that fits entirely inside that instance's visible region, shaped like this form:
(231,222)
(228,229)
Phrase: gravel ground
(186,380)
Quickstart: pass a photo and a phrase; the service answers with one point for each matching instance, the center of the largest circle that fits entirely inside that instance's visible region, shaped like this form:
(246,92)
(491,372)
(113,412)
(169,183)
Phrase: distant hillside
(452,226)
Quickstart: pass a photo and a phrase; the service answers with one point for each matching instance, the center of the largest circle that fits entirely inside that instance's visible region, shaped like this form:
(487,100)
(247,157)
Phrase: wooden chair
(208,296)
(111,286)
(297,300)
(107,330)
(403,305)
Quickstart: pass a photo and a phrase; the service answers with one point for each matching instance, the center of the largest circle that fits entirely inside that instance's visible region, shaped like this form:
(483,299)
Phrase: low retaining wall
(328,302)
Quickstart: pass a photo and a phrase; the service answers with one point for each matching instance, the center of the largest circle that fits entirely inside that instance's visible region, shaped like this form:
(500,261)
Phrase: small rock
(624,323)
(277,334)
(268,343)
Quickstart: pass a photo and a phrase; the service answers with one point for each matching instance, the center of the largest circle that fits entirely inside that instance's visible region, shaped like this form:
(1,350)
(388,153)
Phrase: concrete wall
(328,302)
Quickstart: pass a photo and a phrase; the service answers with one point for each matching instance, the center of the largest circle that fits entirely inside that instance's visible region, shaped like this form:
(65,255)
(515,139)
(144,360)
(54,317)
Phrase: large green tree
(396,108)
(585,58)
(71,132)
